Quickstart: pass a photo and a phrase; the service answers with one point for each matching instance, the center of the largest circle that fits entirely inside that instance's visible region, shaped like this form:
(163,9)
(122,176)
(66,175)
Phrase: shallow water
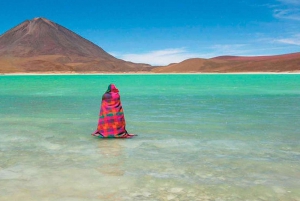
(201,137)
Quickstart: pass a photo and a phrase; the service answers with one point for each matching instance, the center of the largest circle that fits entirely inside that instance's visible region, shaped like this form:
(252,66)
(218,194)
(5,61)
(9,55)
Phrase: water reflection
(111,168)
(113,157)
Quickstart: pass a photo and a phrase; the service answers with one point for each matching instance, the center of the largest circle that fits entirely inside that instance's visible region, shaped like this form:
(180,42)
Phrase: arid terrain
(235,64)
(42,46)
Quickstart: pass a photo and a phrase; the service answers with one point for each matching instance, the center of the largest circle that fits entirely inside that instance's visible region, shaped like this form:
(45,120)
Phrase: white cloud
(229,49)
(288,9)
(176,55)
(159,57)
(290,14)
(295,40)
(293,2)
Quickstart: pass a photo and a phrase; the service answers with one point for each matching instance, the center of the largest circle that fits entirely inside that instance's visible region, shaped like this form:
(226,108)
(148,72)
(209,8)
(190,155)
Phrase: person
(111,123)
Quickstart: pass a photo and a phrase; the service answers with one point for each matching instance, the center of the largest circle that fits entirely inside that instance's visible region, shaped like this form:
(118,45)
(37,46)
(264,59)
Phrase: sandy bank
(137,73)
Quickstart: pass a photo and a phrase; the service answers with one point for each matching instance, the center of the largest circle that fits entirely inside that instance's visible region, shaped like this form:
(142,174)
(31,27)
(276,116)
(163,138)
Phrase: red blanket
(111,118)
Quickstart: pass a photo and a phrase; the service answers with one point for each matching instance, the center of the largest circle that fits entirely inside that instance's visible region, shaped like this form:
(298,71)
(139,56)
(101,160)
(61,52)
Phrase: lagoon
(200,137)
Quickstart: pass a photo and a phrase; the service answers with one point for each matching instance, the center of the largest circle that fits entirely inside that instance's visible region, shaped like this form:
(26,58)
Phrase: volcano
(40,45)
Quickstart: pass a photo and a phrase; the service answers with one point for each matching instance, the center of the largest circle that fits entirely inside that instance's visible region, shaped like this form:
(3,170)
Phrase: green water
(201,137)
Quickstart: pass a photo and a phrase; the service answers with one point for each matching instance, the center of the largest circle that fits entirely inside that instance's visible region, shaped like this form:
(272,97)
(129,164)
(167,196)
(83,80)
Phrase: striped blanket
(111,122)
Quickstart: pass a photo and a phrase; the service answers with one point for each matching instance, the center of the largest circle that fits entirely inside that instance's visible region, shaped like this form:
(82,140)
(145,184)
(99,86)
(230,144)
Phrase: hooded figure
(111,122)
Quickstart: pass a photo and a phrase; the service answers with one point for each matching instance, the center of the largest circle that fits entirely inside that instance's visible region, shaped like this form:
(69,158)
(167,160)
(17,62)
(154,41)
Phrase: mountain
(232,64)
(40,45)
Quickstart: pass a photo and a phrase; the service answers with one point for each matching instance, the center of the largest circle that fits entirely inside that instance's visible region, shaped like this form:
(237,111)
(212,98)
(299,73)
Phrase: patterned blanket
(111,122)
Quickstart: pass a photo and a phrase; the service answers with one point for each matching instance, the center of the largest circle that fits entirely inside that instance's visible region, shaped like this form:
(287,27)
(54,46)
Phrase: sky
(160,32)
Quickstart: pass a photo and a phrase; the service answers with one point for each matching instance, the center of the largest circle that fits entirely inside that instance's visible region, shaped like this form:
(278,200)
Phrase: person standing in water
(111,122)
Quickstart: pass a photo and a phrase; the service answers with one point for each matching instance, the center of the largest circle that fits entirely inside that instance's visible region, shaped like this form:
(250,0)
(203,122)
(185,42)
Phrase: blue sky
(160,32)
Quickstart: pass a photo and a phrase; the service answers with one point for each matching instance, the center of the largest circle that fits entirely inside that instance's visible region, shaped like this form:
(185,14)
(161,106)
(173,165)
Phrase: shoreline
(144,73)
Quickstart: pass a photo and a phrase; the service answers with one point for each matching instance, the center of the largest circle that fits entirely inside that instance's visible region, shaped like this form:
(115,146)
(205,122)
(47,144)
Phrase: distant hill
(227,64)
(40,45)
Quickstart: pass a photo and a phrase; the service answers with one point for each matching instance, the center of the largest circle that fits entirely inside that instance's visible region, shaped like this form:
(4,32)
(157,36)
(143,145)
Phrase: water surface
(201,137)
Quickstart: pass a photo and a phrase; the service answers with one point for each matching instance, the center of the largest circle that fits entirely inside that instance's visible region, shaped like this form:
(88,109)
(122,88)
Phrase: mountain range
(40,45)
(233,64)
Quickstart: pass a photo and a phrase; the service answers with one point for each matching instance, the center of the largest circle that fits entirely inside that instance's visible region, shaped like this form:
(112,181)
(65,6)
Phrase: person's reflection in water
(112,171)
(112,154)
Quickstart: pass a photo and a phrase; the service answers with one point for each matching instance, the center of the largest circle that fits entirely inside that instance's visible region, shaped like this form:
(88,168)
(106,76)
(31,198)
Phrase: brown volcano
(40,45)
(235,64)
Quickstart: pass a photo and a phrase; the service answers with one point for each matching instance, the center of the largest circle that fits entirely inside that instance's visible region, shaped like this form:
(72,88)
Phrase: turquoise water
(201,137)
